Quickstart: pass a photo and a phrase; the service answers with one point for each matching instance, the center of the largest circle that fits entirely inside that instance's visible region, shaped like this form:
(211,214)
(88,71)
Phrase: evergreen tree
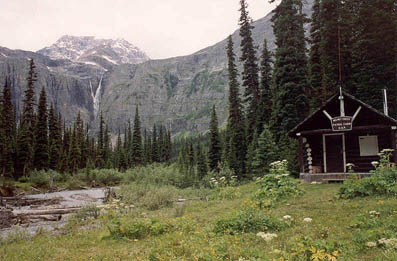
(75,153)
(265,152)
(54,139)
(315,68)
(101,143)
(250,79)
(375,53)
(214,154)
(41,157)
(202,168)
(25,150)
(137,151)
(155,151)
(251,153)
(235,127)
(290,102)
(7,122)
(265,105)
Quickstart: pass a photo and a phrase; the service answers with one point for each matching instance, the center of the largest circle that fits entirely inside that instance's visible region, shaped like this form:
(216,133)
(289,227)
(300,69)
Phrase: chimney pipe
(385,107)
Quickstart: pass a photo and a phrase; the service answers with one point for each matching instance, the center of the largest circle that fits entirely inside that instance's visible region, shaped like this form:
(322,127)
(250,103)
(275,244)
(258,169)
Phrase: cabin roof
(307,122)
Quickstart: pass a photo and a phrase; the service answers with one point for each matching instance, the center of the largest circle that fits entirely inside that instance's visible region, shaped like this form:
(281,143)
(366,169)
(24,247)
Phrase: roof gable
(367,116)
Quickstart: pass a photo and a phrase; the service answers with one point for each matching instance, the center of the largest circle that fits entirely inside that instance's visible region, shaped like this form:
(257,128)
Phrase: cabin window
(369,145)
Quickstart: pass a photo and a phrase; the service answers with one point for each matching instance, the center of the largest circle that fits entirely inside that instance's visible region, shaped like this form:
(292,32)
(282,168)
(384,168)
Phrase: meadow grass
(337,229)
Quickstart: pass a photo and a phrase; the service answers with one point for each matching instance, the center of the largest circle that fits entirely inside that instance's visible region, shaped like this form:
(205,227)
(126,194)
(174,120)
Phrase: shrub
(155,174)
(106,177)
(148,196)
(277,185)
(382,182)
(248,220)
(137,228)
(39,178)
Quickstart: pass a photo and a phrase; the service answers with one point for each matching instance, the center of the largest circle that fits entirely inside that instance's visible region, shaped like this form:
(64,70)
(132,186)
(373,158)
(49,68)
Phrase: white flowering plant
(276,185)
(382,182)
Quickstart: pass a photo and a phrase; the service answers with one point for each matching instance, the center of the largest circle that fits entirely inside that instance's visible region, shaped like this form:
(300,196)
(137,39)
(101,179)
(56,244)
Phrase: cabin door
(334,153)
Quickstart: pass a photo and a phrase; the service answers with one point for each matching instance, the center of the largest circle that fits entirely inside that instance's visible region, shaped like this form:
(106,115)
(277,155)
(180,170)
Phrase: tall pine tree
(290,69)
(137,150)
(249,75)
(26,149)
(214,154)
(41,156)
(235,125)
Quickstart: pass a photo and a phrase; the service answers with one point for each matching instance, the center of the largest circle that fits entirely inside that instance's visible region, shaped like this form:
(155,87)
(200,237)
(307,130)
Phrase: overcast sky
(161,28)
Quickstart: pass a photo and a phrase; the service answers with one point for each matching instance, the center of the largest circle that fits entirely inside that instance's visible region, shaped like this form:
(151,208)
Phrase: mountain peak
(92,50)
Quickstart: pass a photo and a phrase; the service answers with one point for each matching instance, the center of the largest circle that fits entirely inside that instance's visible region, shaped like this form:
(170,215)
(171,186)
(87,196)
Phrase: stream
(73,198)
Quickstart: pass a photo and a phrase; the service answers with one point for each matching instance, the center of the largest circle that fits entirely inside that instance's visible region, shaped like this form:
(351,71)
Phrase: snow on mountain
(91,50)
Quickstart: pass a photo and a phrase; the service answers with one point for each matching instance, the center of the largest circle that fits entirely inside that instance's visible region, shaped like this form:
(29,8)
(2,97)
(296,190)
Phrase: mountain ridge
(177,92)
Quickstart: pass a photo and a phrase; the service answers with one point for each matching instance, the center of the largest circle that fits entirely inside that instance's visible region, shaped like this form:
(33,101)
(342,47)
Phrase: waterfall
(96,97)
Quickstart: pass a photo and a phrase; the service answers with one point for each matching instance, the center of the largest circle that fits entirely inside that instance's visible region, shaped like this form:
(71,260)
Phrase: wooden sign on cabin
(342,123)
(343,132)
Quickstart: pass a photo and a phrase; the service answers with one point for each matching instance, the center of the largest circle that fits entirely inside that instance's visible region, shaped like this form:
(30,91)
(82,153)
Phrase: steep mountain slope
(90,75)
(179,91)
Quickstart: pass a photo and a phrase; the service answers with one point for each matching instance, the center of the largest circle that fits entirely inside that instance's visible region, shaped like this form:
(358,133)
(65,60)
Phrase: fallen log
(58,211)
(46,217)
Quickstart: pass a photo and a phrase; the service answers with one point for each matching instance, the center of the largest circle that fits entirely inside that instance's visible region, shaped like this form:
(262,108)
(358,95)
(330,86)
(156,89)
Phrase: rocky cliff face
(90,75)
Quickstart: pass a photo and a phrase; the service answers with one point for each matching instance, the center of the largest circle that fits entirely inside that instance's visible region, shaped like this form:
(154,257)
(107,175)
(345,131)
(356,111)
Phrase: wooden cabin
(344,130)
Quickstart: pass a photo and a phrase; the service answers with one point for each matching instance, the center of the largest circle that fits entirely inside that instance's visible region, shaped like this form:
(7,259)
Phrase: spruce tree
(236,123)
(214,154)
(375,53)
(315,68)
(155,151)
(54,139)
(41,156)
(250,70)
(25,150)
(265,152)
(7,122)
(202,168)
(290,75)
(100,147)
(265,105)
(251,153)
(137,151)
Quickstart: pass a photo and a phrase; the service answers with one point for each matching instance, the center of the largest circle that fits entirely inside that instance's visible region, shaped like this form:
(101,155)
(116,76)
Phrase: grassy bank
(339,229)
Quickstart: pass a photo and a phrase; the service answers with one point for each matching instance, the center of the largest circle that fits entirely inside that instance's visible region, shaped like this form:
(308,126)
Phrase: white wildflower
(266,236)
(308,220)
(287,217)
(388,243)
(371,244)
(374,163)
(350,165)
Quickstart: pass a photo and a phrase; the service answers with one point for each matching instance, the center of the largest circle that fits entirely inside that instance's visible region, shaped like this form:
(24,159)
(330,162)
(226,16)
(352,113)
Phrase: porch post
(301,160)
(394,144)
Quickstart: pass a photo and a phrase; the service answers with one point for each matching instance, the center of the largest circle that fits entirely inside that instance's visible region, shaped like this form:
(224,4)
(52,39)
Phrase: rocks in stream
(6,217)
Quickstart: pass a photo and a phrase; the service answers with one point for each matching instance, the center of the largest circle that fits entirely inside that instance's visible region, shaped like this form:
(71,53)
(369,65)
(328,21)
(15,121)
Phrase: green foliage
(155,174)
(248,220)
(148,196)
(138,228)
(40,178)
(290,103)
(106,177)
(382,182)
(277,185)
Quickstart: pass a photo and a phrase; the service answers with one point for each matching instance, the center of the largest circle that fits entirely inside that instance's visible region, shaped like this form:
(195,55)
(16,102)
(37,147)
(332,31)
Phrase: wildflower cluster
(266,236)
(116,205)
(276,185)
(223,182)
